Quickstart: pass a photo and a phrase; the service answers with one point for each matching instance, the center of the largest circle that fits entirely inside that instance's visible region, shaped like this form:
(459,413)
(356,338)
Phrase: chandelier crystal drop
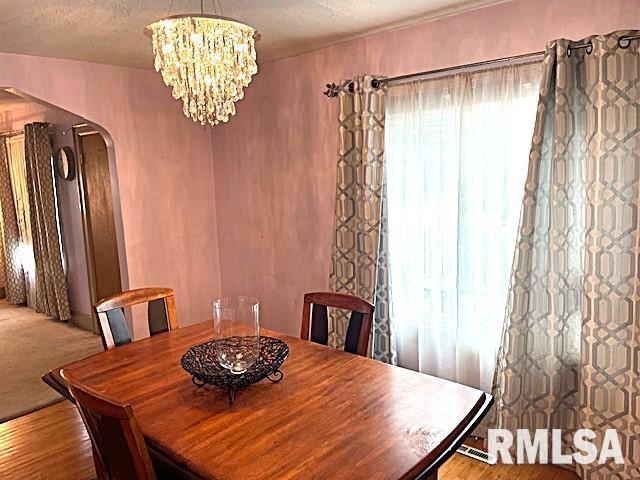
(207,60)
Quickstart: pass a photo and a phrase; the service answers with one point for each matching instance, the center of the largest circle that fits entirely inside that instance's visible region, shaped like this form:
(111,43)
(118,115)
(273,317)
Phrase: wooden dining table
(334,415)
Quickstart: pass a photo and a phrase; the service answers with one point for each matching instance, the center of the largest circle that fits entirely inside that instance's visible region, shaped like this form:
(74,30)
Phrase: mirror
(65,163)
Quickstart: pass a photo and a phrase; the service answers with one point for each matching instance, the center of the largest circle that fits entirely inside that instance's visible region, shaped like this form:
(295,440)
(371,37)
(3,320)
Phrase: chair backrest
(113,324)
(315,319)
(120,452)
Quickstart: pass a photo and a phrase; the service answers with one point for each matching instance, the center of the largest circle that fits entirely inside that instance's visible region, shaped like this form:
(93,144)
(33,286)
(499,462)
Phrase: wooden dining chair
(113,324)
(52,378)
(119,450)
(161,315)
(315,319)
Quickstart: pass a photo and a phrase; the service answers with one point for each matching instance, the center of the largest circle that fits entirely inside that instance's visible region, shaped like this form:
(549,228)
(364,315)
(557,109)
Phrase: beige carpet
(31,344)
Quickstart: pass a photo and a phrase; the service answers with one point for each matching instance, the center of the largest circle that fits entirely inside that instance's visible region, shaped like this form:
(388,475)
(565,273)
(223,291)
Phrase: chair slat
(319,324)
(157,314)
(118,326)
(353,332)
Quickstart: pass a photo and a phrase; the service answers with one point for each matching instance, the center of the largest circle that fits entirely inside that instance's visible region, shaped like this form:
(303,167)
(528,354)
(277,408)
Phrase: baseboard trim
(83,321)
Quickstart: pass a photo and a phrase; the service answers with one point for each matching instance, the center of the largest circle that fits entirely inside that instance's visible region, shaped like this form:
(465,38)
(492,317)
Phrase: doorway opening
(61,245)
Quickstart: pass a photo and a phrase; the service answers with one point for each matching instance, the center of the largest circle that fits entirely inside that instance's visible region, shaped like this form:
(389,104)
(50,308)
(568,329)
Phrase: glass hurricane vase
(237,331)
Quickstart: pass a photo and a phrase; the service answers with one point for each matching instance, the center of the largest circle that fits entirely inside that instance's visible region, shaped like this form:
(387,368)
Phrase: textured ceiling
(110,31)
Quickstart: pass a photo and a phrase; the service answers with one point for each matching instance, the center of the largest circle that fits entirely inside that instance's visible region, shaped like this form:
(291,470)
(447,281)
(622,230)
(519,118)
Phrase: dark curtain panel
(51,285)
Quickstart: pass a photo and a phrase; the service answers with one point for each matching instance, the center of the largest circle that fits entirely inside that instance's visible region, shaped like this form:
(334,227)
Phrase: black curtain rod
(12,133)
(333,89)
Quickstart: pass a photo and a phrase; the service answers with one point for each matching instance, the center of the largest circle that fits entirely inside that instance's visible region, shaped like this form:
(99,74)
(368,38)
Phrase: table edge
(481,408)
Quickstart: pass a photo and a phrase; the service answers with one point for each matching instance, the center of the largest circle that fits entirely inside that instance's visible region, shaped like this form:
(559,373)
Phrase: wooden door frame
(78,132)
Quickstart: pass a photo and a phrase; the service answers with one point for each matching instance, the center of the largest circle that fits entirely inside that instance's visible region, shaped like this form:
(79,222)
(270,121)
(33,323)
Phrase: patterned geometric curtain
(14,273)
(384,340)
(51,286)
(356,264)
(570,358)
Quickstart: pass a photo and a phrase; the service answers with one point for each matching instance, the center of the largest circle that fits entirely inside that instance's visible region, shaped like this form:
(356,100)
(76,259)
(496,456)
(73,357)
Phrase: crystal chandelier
(207,60)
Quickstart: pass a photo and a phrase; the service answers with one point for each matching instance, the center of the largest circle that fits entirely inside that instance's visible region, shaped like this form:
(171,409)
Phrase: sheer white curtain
(456,160)
(18,174)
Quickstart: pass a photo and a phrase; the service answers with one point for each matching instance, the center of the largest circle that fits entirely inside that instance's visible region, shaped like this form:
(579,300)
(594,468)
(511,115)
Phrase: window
(456,161)
(18,174)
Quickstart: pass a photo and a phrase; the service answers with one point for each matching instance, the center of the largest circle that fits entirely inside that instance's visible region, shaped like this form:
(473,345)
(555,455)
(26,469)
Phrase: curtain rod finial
(332,90)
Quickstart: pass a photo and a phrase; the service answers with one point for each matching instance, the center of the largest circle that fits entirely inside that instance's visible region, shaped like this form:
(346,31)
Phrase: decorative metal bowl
(201,362)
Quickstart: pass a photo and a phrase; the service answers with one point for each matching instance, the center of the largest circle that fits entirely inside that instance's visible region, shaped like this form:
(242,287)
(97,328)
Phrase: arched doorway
(76,177)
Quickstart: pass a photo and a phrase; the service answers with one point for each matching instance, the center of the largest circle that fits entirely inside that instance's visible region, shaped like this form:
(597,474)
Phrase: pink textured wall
(72,229)
(164,170)
(15,116)
(275,161)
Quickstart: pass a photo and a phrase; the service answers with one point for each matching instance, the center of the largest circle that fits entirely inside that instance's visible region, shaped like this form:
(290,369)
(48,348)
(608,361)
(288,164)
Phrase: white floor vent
(477,454)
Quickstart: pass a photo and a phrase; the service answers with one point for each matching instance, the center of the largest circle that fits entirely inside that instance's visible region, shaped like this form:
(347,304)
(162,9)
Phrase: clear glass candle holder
(237,330)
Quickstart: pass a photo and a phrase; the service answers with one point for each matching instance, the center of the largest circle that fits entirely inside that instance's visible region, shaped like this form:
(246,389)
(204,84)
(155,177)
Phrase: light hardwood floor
(52,444)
